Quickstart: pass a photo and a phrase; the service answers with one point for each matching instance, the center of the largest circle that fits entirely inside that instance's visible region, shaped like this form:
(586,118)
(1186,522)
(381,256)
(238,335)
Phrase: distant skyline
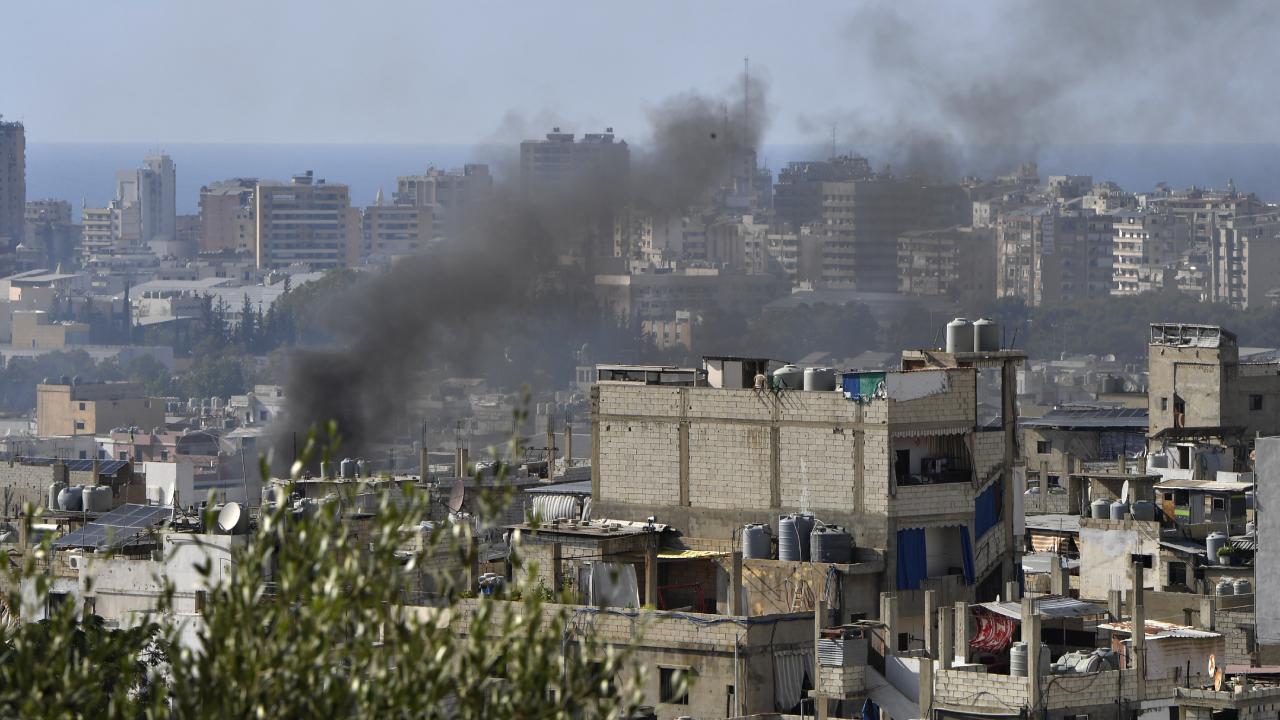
(401,72)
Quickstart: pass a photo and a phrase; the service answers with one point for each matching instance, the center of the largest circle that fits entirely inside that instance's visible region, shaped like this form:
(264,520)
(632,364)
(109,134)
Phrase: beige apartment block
(92,408)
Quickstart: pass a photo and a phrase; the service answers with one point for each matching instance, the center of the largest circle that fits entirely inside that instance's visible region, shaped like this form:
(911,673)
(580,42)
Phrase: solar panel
(117,528)
(105,467)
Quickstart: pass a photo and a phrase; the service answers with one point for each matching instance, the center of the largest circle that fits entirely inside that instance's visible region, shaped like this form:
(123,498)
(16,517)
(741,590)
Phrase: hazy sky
(388,71)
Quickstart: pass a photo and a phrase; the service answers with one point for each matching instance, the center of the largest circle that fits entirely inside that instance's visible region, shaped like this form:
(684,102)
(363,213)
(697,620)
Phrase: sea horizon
(85,171)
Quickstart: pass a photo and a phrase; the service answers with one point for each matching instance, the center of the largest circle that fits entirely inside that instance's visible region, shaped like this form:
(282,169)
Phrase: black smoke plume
(512,300)
(953,95)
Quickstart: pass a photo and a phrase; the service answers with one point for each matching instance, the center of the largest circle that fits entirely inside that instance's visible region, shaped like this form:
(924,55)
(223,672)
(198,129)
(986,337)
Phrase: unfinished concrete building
(1206,405)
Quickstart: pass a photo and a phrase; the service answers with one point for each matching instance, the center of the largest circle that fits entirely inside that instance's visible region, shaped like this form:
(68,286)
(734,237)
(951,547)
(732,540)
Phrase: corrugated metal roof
(581,487)
(1051,606)
(1157,630)
(1090,419)
(1205,485)
(1053,523)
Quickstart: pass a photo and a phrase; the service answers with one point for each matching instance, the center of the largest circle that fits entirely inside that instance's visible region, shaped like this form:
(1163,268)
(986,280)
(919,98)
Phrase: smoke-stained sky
(405,71)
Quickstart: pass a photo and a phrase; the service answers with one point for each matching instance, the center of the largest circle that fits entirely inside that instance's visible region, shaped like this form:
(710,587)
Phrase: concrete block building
(67,408)
(900,459)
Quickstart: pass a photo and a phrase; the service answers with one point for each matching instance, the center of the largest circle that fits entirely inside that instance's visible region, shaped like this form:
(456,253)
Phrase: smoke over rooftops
(956,97)
(499,303)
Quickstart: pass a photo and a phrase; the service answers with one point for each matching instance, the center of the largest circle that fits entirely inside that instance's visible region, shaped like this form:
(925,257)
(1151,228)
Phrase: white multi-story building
(1146,247)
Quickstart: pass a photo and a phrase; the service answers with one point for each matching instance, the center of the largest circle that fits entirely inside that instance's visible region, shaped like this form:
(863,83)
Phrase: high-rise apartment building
(152,190)
(226,208)
(13,182)
(451,196)
(798,195)
(560,163)
(1203,209)
(1244,260)
(1048,254)
(862,220)
(957,263)
(596,172)
(1147,245)
(306,221)
(394,231)
(50,236)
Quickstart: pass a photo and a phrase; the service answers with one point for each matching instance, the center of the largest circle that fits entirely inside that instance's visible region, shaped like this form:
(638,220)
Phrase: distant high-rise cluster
(141,218)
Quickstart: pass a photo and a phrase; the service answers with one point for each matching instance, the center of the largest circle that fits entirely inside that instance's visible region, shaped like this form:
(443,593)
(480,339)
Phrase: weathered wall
(1106,547)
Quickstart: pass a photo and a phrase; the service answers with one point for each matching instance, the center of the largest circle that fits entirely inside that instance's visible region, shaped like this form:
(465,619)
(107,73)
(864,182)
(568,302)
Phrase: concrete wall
(1266,561)
(1105,550)
(709,460)
(677,640)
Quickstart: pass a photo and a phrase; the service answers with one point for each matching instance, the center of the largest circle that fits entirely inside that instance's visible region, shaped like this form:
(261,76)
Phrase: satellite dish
(457,495)
(1213,664)
(1217,680)
(229,518)
(1124,492)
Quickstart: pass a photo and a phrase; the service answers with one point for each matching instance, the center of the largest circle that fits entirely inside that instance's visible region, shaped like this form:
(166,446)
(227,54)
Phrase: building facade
(305,221)
(1048,255)
(13,181)
(1148,245)
(224,207)
(957,263)
(94,408)
(1244,260)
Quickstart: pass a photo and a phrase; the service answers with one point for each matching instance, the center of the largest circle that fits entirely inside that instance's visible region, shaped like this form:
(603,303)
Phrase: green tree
(313,622)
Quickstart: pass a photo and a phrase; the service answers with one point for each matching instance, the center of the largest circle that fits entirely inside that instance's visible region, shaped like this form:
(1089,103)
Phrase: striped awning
(930,432)
(1047,543)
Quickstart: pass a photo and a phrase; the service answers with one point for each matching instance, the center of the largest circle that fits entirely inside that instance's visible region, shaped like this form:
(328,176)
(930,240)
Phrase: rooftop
(1050,606)
(1188,335)
(1092,418)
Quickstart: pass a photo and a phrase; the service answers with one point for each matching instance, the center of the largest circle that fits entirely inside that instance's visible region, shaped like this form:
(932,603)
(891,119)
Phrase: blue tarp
(912,564)
(986,510)
(966,550)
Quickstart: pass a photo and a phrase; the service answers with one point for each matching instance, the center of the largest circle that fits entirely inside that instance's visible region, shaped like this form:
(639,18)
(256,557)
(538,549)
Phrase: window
(1164,404)
(124,455)
(1044,447)
(673,686)
(79,424)
(1219,503)
(1255,402)
(81,406)
(1177,573)
(84,455)
(200,600)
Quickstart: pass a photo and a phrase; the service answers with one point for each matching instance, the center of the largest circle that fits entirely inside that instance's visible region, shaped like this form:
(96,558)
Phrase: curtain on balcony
(986,509)
(966,552)
(912,564)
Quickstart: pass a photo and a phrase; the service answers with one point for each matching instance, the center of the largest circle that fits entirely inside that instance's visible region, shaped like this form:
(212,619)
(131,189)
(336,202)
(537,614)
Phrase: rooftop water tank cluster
(981,335)
(80,498)
(813,379)
(801,538)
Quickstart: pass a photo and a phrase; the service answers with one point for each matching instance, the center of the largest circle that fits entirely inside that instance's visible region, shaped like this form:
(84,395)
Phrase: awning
(1047,543)
(1051,607)
(931,432)
(689,554)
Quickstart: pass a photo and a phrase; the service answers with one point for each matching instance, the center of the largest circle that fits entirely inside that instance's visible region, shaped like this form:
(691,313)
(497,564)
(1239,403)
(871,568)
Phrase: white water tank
(986,335)
(816,379)
(960,336)
(788,377)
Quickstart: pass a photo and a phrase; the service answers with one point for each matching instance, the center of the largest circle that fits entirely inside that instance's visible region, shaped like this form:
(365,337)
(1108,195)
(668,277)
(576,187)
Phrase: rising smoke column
(954,94)
(500,303)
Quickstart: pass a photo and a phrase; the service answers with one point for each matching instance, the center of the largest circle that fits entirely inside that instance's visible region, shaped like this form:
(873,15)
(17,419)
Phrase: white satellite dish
(1124,492)
(457,496)
(230,519)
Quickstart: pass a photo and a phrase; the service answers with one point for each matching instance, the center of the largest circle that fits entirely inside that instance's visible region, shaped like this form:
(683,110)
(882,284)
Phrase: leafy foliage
(313,622)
